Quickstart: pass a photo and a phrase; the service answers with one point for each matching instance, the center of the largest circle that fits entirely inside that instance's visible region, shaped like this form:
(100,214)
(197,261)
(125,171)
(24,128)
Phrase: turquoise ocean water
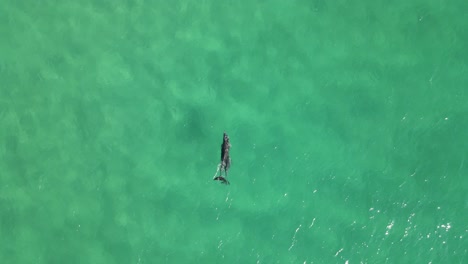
(348,122)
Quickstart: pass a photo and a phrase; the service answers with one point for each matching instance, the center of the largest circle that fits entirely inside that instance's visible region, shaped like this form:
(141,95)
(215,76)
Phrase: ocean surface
(348,122)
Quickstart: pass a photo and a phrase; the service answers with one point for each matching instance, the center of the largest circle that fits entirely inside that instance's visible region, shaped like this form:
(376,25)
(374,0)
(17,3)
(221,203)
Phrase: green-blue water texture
(348,122)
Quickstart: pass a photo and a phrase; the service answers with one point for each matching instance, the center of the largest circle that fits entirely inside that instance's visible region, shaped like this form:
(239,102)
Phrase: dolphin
(225,160)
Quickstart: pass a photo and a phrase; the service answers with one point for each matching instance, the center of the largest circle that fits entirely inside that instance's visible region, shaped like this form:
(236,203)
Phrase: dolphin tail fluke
(222,180)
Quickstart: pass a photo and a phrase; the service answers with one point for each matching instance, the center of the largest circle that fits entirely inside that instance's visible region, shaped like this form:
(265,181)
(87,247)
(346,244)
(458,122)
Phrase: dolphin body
(225,160)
